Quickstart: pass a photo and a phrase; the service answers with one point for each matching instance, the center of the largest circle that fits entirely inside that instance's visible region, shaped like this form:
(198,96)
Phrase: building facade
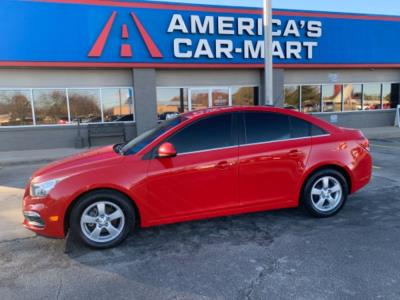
(65,62)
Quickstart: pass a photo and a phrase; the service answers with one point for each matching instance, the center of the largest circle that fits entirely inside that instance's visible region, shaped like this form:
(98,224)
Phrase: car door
(204,174)
(273,153)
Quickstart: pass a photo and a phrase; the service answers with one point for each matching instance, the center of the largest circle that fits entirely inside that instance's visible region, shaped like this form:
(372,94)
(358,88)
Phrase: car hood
(78,163)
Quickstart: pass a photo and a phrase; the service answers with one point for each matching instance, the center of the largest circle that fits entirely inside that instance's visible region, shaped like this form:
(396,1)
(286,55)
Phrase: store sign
(141,34)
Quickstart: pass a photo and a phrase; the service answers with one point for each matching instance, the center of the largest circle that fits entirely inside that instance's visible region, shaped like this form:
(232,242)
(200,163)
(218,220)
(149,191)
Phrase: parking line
(376,167)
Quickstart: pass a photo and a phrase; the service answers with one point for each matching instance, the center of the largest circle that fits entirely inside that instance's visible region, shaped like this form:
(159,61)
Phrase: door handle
(294,153)
(222,165)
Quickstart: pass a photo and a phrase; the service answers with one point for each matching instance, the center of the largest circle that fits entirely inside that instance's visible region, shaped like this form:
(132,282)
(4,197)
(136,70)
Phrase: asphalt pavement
(272,255)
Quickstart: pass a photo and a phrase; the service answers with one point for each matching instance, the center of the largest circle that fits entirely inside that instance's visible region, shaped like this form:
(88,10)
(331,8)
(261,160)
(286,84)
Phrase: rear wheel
(102,219)
(325,193)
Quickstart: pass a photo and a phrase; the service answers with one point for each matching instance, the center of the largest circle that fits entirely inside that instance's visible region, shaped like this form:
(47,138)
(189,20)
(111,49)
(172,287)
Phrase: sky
(382,7)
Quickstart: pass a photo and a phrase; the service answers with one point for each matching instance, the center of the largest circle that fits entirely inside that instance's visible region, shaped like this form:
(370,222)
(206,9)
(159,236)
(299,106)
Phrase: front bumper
(44,216)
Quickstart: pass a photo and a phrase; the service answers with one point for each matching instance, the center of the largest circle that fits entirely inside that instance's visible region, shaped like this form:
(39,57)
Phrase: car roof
(217,110)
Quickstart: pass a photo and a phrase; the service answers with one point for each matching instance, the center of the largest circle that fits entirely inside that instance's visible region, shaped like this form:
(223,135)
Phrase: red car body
(218,182)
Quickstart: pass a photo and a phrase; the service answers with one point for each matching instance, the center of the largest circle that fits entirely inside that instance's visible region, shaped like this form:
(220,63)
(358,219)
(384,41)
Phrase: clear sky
(385,7)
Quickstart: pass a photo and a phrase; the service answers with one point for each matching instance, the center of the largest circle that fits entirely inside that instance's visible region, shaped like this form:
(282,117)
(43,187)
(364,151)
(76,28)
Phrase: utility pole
(268,67)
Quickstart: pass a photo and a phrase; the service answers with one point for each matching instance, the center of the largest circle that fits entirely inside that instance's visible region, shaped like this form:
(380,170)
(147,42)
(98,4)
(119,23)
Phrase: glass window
(84,104)
(390,96)
(244,96)
(15,108)
(266,127)
(50,106)
(117,105)
(311,98)
(315,131)
(171,101)
(292,97)
(332,97)
(220,97)
(352,95)
(299,128)
(149,136)
(199,98)
(197,137)
(372,96)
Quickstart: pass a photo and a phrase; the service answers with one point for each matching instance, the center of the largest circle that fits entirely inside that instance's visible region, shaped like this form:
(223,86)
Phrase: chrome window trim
(253,144)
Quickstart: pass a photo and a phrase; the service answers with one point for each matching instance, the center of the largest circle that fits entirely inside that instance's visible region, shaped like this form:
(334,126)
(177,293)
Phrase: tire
(325,193)
(102,219)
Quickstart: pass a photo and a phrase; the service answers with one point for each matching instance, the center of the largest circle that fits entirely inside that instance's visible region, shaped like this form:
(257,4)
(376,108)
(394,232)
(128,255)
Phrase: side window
(299,128)
(208,133)
(315,131)
(266,127)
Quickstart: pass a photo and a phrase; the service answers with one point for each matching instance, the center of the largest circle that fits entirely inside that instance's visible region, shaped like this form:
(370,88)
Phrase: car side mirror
(166,150)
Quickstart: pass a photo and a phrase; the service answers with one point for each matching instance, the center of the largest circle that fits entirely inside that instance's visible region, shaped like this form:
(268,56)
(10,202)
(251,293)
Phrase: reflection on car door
(204,174)
(272,158)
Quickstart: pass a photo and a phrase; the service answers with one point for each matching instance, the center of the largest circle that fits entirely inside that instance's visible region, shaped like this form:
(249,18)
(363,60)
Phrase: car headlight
(42,189)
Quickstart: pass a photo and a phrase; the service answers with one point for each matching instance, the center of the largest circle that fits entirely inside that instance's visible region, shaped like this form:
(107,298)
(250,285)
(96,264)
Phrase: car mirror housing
(166,150)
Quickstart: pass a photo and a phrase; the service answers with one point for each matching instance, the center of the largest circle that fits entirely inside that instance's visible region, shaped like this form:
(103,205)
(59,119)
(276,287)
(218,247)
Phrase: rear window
(315,131)
(266,127)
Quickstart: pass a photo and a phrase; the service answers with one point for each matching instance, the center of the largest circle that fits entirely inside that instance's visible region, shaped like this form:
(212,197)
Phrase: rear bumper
(43,216)
(362,171)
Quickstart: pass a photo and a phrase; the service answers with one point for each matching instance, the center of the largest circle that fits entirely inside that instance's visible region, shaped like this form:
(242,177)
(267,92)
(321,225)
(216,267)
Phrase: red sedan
(201,164)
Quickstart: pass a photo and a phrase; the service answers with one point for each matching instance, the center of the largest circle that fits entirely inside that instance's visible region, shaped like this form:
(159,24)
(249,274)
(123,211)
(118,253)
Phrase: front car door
(272,158)
(203,177)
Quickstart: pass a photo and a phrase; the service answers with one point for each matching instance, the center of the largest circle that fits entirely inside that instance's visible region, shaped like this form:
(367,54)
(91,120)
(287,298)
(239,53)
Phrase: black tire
(114,200)
(308,199)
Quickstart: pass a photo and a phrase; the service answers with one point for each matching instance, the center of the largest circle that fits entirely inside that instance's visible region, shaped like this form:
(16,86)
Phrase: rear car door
(273,153)
(204,174)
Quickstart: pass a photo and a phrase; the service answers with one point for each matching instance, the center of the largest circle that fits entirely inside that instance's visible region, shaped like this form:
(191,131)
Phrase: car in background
(201,164)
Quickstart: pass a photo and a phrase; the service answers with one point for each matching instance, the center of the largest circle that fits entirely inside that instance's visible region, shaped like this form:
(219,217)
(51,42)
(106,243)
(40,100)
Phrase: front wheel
(102,219)
(325,193)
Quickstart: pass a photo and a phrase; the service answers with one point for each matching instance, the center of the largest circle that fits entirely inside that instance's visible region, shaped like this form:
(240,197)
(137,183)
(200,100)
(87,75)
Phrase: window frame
(233,137)
(243,132)
(30,90)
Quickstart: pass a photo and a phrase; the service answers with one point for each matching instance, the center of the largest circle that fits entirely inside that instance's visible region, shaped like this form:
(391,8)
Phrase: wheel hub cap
(102,221)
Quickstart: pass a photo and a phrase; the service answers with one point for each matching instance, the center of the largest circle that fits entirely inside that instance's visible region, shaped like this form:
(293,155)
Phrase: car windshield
(149,136)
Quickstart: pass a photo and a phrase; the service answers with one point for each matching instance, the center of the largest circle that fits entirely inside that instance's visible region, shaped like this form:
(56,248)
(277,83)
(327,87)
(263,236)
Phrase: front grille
(34,219)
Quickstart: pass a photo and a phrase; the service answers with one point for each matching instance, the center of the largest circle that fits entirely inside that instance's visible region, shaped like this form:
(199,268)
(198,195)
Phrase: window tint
(266,127)
(315,130)
(209,133)
(299,128)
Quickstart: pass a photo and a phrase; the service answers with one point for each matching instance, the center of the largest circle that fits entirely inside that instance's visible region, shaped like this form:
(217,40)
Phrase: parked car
(202,164)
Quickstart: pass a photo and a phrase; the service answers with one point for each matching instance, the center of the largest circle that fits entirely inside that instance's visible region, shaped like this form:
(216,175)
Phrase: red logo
(126,49)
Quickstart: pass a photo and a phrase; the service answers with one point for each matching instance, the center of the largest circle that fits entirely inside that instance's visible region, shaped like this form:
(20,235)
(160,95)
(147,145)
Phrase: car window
(266,127)
(299,128)
(209,133)
(315,131)
(149,136)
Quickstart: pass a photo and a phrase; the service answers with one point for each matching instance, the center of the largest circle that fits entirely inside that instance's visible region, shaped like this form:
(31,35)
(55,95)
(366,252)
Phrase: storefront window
(15,108)
(390,95)
(50,106)
(117,105)
(220,97)
(332,97)
(292,97)
(352,95)
(84,105)
(372,96)
(199,98)
(311,98)
(171,101)
(244,96)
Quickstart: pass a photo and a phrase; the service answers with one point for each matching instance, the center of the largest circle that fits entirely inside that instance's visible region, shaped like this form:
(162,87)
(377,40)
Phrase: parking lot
(282,254)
